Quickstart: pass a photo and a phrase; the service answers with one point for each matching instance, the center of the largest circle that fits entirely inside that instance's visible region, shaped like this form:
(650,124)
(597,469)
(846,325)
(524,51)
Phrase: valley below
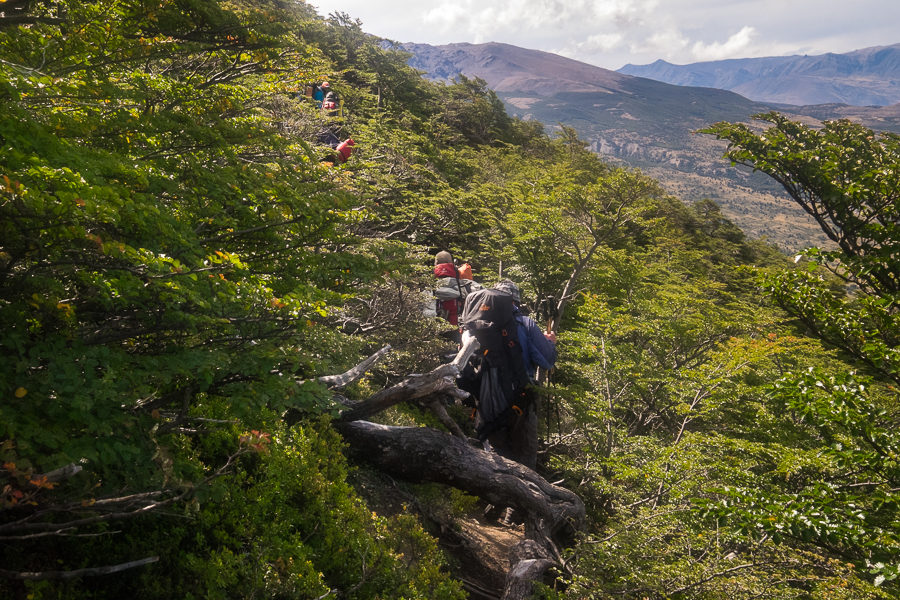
(650,125)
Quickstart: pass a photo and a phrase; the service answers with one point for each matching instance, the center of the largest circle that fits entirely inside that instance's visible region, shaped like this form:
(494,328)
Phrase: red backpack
(345,149)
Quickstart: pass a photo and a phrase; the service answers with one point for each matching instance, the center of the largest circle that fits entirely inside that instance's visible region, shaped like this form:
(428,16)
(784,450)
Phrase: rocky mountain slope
(867,77)
(646,124)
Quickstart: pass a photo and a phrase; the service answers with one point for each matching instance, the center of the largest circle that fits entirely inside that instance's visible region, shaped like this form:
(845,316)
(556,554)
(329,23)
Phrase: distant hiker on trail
(319,92)
(453,285)
(328,136)
(332,105)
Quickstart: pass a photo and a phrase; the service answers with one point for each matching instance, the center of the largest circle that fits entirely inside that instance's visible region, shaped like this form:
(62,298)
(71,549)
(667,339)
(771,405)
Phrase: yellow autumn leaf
(20,392)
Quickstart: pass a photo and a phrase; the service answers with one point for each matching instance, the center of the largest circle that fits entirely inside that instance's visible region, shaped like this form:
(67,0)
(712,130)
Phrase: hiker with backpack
(512,347)
(332,105)
(453,286)
(319,91)
(538,347)
(332,128)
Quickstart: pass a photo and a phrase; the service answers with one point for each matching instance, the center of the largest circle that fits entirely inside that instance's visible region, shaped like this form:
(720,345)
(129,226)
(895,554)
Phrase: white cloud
(610,33)
(446,16)
(601,41)
(665,43)
(736,46)
(541,18)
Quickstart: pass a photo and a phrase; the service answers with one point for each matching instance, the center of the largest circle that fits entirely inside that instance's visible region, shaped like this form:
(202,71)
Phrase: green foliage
(282,523)
(474,113)
(138,267)
(846,177)
(668,362)
(173,261)
(177,266)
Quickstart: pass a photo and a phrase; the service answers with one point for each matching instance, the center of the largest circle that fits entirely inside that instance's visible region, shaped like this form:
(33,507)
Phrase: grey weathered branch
(437,407)
(339,381)
(520,579)
(41,575)
(469,345)
(442,379)
(437,381)
(57,475)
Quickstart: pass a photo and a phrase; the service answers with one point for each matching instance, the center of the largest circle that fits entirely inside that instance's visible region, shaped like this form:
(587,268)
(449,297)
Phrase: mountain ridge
(864,77)
(647,124)
(488,59)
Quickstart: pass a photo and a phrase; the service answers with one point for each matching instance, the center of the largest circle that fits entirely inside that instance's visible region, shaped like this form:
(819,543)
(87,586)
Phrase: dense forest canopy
(181,260)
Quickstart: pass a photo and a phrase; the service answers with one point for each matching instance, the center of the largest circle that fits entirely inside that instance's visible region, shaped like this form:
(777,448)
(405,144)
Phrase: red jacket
(448,308)
(445,270)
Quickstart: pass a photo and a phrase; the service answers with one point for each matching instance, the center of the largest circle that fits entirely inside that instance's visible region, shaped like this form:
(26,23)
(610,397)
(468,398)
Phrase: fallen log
(424,454)
(421,454)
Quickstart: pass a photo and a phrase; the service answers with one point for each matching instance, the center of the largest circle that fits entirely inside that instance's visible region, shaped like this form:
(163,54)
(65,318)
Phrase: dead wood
(60,474)
(530,562)
(442,379)
(339,381)
(521,578)
(92,571)
(421,454)
(424,454)
(437,407)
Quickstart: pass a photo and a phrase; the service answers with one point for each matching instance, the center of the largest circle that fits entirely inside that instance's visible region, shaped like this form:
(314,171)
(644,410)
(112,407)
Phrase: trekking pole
(546,374)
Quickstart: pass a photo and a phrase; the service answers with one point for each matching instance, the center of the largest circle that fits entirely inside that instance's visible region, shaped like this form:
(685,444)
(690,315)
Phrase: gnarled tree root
(422,454)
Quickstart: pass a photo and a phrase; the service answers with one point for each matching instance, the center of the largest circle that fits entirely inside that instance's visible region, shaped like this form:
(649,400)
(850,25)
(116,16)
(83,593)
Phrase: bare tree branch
(57,475)
(442,379)
(92,571)
(711,577)
(29,528)
(339,381)
(437,407)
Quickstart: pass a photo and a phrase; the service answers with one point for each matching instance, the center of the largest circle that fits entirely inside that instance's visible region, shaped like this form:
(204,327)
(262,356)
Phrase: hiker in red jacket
(453,285)
(448,293)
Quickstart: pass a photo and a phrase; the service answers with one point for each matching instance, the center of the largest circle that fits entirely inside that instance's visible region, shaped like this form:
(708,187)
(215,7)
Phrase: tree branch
(41,575)
(339,381)
(442,379)
(683,589)
(57,475)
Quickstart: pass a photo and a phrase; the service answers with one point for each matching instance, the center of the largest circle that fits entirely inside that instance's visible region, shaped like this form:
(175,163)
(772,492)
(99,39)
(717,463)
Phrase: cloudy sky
(611,33)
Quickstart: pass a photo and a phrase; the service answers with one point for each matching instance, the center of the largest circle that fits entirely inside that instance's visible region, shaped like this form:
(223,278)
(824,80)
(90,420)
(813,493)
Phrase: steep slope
(509,68)
(647,124)
(867,77)
(623,116)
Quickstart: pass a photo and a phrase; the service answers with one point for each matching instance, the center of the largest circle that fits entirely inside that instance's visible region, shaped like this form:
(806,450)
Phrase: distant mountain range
(868,77)
(647,124)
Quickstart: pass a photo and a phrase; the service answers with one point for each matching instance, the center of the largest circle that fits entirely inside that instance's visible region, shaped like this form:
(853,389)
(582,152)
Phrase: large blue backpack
(490,316)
